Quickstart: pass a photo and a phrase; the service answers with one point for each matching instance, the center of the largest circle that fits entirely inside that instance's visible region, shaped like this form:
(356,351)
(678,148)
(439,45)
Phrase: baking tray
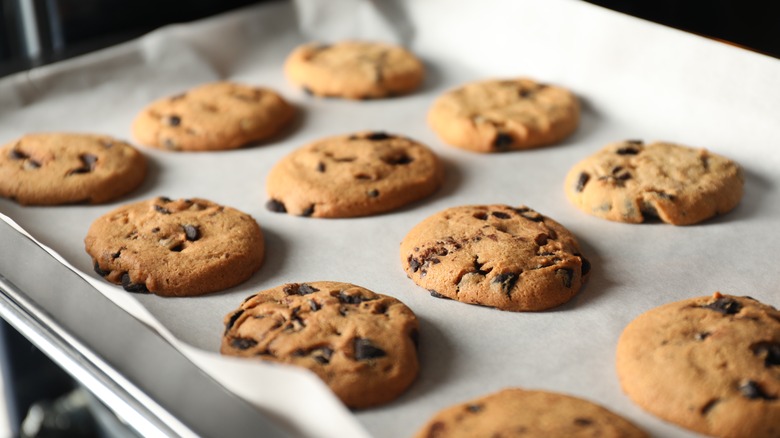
(635,80)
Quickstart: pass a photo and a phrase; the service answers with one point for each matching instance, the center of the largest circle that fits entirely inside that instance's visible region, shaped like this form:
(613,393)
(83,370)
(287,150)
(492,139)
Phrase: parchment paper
(635,79)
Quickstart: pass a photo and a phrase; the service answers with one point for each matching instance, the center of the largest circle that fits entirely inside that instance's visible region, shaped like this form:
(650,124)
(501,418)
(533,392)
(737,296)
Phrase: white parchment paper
(635,79)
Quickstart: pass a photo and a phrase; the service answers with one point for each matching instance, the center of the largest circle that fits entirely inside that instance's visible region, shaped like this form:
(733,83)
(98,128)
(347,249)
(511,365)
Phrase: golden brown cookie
(516,412)
(504,115)
(354,69)
(363,345)
(213,117)
(495,255)
(67,168)
(710,364)
(630,181)
(181,247)
(353,175)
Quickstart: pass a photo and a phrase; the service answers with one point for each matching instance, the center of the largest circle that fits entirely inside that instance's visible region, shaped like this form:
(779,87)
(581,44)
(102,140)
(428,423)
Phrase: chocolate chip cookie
(516,412)
(181,247)
(354,69)
(630,181)
(710,364)
(511,258)
(69,168)
(362,344)
(213,117)
(353,175)
(504,115)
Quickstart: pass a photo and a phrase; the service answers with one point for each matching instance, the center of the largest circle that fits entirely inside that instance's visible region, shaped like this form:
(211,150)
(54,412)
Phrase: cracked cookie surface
(362,344)
(630,181)
(504,115)
(69,168)
(710,364)
(183,247)
(354,69)
(511,258)
(515,412)
(353,175)
(212,117)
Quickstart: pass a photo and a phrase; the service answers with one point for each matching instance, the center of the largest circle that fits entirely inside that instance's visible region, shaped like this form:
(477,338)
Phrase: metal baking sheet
(635,79)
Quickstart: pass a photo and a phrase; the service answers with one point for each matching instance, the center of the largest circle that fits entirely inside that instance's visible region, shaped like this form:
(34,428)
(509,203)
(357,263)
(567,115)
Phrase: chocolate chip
(500,215)
(233,318)
(481,215)
(249,298)
(506,281)
(770,350)
(627,151)
(191,232)
(724,305)
(524,93)
(709,405)
(582,181)
(299,289)
(314,306)
(161,209)
(664,195)
(173,120)
(17,155)
(566,276)
(503,141)
(99,271)
(308,211)
(308,91)
(164,199)
(753,391)
(352,299)
(585,265)
(541,239)
(242,343)
(619,173)
(275,206)
(322,355)
(376,136)
(321,167)
(474,408)
(437,295)
(701,336)
(529,214)
(87,164)
(414,264)
(32,164)
(129,286)
(400,159)
(583,421)
(178,248)
(364,349)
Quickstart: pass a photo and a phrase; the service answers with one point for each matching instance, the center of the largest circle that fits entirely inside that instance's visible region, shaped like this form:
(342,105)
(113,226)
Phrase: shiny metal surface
(129,367)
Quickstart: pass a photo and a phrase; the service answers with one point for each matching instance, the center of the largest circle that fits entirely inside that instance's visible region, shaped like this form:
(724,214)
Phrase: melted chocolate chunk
(87,164)
(352,299)
(770,351)
(376,136)
(129,286)
(500,215)
(17,155)
(364,350)
(161,209)
(503,141)
(275,206)
(99,271)
(566,276)
(191,232)
(242,343)
(299,289)
(234,317)
(322,355)
(724,305)
(173,120)
(308,212)
(507,282)
(582,181)
(753,391)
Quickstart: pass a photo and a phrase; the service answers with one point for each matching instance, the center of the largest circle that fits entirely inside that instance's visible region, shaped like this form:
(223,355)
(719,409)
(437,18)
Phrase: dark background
(71,27)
